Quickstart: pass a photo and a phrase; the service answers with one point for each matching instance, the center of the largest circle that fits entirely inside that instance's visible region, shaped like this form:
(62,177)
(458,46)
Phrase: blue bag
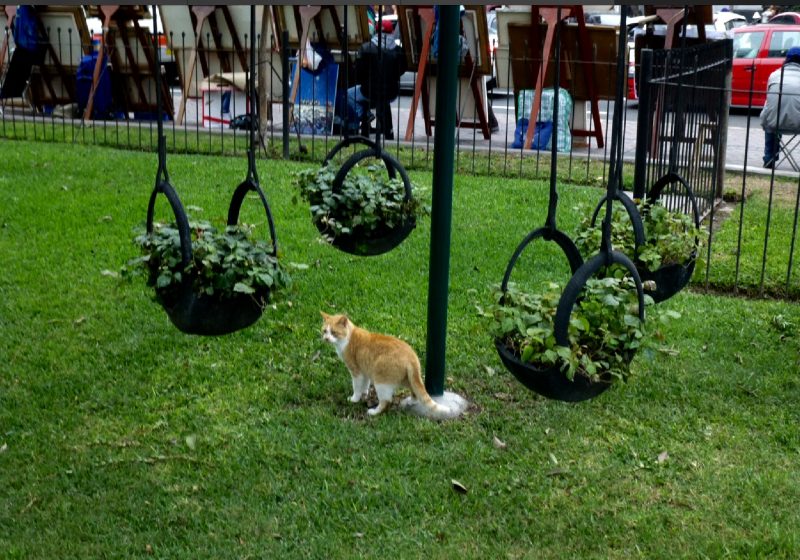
(26,30)
(83,86)
(541,136)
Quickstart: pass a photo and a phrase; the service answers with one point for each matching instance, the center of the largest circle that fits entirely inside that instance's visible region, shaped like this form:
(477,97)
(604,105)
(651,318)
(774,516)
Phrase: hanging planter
(366,206)
(209,281)
(665,257)
(599,339)
(684,236)
(572,344)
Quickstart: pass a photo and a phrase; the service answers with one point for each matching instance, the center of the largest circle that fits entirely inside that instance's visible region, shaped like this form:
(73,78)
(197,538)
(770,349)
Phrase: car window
(781,42)
(786,19)
(746,45)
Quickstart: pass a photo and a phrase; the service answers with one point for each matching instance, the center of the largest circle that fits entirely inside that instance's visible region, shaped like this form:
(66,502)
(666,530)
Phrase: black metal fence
(680,126)
(683,119)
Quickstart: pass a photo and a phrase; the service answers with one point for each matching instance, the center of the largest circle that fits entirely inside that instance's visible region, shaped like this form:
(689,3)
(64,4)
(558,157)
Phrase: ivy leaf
(164,280)
(243,288)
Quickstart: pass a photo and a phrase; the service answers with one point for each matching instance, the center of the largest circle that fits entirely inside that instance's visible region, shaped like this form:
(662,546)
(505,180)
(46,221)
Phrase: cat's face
(335,328)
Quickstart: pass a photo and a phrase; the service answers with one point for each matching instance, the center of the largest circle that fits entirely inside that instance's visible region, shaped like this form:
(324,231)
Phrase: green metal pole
(442,203)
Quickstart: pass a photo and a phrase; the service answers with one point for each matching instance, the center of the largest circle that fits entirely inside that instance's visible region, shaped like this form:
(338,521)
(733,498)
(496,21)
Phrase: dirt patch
(784,190)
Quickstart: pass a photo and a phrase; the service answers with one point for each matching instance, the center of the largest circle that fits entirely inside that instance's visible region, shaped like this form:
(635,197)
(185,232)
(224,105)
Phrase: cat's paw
(355,398)
(374,411)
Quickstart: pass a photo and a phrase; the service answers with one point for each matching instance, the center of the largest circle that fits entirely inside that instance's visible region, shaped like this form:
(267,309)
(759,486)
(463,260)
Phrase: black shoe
(388,135)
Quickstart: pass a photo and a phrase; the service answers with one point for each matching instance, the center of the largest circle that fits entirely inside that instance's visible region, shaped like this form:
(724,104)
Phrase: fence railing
(681,125)
(683,119)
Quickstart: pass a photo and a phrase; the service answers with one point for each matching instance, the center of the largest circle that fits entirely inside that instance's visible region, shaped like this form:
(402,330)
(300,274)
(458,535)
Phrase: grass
(762,267)
(142,135)
(120,436)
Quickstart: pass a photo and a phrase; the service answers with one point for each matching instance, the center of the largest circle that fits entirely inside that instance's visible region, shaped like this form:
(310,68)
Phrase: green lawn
(121,437)
(762,266)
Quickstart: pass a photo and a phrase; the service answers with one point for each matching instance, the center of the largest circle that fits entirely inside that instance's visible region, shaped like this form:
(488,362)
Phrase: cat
(384,361)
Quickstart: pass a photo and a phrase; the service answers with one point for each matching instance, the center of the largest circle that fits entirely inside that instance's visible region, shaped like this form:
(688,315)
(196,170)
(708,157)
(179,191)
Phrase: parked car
(712,34)
(758,50)
(788,18)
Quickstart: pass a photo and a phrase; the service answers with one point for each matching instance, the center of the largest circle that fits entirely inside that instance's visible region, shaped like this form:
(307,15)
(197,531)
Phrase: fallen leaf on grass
(3,448)
(663,456)
(358,535)
(191,442)
(458,487)
(498,443)
(109,273)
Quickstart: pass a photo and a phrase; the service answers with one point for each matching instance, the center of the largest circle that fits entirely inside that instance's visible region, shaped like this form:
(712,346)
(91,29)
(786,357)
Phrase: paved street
(503,107)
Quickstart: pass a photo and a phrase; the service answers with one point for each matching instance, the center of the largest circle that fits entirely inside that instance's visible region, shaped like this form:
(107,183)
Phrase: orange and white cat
(385,361)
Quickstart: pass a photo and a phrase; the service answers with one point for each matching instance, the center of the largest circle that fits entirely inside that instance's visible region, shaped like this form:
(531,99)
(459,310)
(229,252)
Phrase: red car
(758,50)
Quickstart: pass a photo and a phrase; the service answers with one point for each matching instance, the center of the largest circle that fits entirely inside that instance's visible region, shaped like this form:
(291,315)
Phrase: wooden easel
(11,13)
(306,13)
(677,18)
(127,69)
(550,15)
(53,81)
(199,15)
(424,28)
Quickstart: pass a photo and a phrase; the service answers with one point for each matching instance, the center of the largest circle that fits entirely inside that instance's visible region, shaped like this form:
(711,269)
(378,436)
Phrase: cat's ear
(343,320)
(324,315)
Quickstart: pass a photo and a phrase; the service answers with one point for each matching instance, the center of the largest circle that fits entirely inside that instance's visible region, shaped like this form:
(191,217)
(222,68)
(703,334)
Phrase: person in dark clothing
(378,71)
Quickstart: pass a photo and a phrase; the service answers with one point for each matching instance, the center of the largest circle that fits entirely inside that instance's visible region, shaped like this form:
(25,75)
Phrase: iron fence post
(643,125)
(285,90)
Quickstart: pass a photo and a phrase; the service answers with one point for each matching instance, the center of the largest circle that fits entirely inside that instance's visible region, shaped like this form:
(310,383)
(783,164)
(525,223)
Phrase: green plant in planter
(368,204)
(669,236)
(224,263)
(604,329)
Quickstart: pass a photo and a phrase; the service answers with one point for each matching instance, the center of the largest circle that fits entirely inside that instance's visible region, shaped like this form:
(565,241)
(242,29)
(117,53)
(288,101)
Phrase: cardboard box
(221,104)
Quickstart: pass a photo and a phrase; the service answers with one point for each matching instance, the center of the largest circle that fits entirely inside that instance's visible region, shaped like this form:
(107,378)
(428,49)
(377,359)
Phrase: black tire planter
(671,278)
(206,315)
(203,314)
(189,311)
(549,381)
(383,239)
(570,296)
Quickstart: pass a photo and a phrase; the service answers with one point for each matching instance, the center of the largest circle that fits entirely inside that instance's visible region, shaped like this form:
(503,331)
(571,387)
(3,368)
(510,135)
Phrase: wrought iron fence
(683,119)
(680,125)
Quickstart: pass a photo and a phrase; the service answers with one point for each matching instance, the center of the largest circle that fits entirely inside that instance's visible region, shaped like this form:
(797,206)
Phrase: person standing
(783,88)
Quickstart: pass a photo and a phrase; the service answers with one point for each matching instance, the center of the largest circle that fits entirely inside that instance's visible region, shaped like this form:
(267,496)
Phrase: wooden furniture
(6,25)
(211,37)
(129,49)
(417,24)
(67,40)
(553,16)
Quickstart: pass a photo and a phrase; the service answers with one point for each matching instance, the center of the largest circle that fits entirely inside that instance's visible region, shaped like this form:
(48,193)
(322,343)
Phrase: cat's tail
(418,388)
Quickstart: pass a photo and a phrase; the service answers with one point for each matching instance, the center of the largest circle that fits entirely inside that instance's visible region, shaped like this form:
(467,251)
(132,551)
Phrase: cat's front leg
(360,387)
